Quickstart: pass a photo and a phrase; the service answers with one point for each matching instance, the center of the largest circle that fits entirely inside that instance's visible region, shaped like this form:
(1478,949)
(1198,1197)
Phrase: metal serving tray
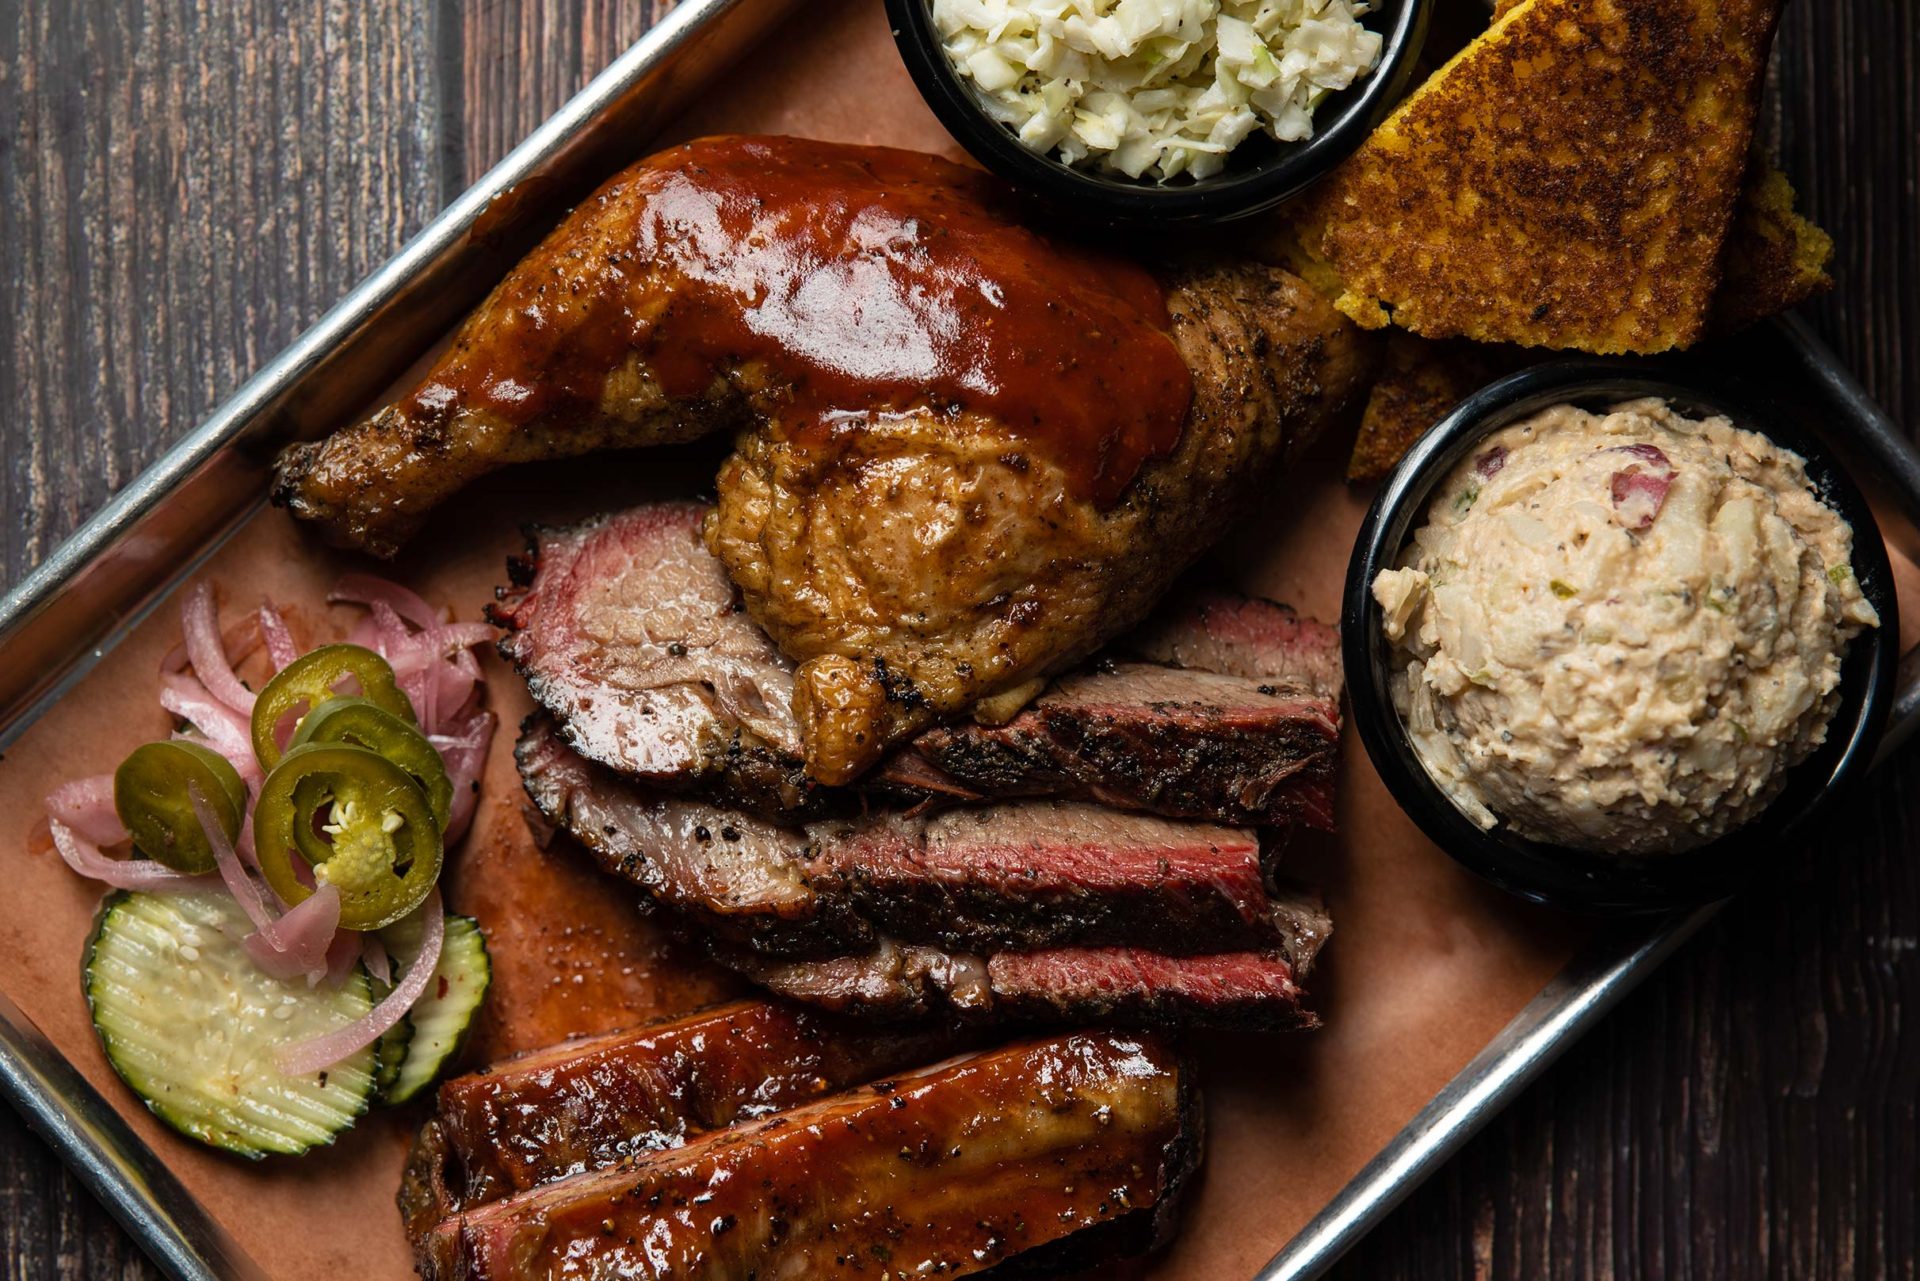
(155,532)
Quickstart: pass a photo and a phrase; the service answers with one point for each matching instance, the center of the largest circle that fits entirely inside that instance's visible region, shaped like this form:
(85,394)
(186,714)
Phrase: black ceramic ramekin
(1260,174)
(1576,879)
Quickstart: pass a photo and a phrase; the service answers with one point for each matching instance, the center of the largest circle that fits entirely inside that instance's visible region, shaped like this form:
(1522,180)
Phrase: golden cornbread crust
(1420,380)
(1775,258)
(1565,181)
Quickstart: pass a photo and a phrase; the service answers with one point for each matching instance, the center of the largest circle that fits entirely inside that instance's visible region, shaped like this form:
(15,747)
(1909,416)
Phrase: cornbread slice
(1775,258)
(1420,380)
(1567,180)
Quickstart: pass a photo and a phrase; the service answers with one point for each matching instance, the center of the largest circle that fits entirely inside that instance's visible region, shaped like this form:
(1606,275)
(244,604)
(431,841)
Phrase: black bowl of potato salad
(1160,110)
(1617,644)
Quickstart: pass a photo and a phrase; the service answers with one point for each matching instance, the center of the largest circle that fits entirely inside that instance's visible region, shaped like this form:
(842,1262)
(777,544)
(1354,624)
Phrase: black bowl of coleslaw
(1260,172)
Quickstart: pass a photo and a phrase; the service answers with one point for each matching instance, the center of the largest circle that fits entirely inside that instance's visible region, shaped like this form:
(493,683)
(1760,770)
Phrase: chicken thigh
(965,455)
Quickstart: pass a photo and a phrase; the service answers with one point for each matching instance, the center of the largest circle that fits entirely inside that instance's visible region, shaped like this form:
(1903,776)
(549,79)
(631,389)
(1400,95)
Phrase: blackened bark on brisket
(1136,736)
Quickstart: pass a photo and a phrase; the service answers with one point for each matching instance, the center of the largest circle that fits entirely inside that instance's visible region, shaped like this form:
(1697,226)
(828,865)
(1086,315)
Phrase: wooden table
(189,183)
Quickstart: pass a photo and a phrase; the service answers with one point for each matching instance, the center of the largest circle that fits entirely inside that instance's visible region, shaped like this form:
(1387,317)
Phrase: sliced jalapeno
(358,821)
(364,724)
(313,679)
(150,793)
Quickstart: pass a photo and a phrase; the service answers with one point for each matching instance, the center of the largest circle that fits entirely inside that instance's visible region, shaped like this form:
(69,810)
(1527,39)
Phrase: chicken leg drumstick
(966,455)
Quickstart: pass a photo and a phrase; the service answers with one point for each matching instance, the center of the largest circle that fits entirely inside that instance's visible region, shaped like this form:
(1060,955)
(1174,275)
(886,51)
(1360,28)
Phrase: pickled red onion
(321,1052)
(200,626)
(86,806)
(237,642)
(273,628)
(306,935)
(85,858)
(365,589)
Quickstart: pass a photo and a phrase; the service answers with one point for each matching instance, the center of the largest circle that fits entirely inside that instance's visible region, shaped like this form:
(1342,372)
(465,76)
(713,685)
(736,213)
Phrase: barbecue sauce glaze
(846,281)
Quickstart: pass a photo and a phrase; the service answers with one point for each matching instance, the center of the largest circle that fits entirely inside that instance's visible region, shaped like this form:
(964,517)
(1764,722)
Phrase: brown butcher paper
(1425,966)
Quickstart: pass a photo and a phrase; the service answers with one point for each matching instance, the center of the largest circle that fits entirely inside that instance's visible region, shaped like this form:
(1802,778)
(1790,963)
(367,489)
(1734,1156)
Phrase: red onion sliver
(445,641)
(207,651)
(452,638)
(238,882)
(391,630)
(366,589)
(465,756)
(321,1052)
(85,858)
(237,642)
(342,955)
(86,806)
(306,937)
(188,699)
(227,732)
(374,953)
(273,628)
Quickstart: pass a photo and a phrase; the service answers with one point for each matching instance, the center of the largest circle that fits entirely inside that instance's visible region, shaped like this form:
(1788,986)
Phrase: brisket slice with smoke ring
(629,633)
(1012,876)
(1246,990)
(1136,736)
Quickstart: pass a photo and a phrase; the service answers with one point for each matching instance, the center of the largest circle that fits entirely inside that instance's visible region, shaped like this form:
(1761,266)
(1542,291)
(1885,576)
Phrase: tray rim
(119,1168)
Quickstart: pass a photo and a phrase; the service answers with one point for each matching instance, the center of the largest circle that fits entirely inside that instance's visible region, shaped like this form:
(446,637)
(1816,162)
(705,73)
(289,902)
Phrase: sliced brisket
(1238,989)
(1138,736)
(629,633)
(1206,630)
(945,1171)
(737,876)
(1016,875)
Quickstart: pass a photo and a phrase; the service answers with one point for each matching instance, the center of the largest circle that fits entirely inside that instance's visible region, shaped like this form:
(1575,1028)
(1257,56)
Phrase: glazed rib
(945,1171)
(584,1105)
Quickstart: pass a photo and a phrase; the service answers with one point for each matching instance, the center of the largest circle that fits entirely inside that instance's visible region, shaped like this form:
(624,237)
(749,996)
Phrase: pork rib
(945,1171)
(584,1105)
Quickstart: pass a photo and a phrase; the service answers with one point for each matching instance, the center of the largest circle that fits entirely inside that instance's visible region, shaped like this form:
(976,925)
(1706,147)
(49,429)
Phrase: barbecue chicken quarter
(965,454)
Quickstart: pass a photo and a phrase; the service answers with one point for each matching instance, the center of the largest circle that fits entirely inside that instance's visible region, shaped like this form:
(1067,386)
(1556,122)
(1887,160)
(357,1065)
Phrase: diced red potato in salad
(1639,489)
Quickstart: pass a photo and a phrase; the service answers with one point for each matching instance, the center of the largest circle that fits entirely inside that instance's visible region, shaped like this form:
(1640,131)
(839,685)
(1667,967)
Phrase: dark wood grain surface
(186,184)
